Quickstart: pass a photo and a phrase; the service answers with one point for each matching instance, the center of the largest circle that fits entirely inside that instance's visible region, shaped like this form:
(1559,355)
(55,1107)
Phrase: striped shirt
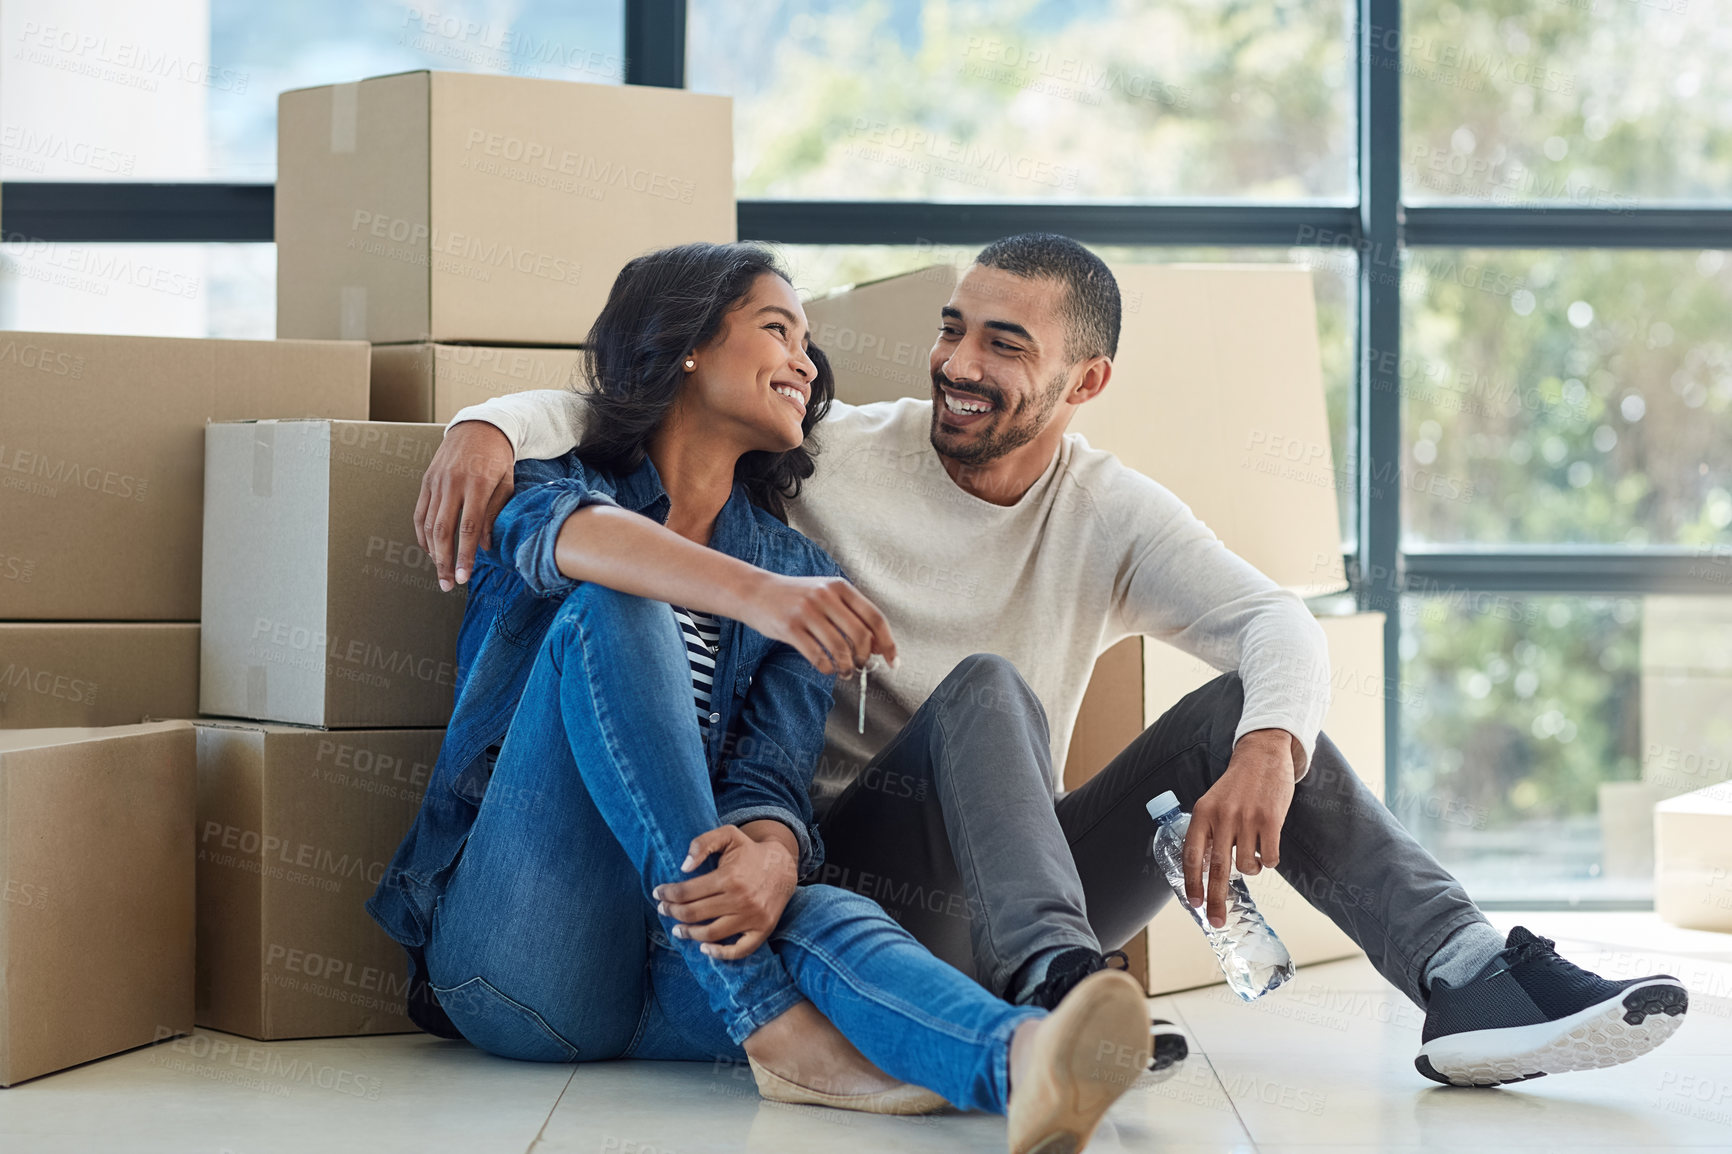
(703,636)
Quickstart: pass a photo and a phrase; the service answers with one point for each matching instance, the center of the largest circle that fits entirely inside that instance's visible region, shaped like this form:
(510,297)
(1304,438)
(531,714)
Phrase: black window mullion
(207,212)
(915,222)
(1568,570)
(655,43)
(91,212)
(1377,443)
(1654,226)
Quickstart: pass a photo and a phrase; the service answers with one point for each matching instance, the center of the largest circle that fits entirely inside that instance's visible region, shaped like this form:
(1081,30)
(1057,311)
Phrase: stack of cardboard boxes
(469,228)
(101,494)
(318,611)
(1217,393)
(441,239)
(101,490)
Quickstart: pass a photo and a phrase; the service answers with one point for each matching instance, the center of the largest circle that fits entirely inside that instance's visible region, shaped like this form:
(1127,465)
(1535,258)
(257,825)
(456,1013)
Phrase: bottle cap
(1162,804)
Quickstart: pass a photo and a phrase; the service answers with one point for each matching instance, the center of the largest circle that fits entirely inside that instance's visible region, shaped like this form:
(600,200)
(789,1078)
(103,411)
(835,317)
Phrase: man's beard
(1011,429)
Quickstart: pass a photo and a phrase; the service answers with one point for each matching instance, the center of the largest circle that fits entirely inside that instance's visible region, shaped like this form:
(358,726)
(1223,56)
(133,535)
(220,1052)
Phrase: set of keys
(873,662)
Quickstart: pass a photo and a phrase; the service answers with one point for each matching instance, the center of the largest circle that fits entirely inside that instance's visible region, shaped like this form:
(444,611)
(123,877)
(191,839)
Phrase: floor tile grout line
(1244,1127)
(1196,1051)
(552,1110)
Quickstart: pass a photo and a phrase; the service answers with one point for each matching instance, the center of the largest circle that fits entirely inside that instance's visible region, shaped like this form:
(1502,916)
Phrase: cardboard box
(1138,680)
(96,873)
(319,609)
(495,209)
(96,673)
(295,829)
(1693,859)
(102,460)
(879,335)
(1217,393)
(427,382)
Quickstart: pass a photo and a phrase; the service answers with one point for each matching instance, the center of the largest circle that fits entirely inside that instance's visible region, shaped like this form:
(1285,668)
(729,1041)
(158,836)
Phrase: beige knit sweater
(1094,552)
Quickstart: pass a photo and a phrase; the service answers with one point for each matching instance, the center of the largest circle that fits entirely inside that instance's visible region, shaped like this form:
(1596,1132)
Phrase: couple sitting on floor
(677,578)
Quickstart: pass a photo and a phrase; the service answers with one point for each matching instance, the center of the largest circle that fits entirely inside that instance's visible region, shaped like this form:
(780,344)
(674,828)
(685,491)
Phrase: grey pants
(953,829)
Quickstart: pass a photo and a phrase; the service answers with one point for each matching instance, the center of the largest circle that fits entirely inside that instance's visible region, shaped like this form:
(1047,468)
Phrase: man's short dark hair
(1091,307)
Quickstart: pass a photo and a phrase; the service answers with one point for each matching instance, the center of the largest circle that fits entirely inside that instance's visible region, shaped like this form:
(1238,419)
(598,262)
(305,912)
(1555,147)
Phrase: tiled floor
(1325,1064)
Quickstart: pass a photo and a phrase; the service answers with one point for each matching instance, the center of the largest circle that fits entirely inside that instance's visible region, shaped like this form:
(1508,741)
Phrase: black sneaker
(1530,1013)
(1167,1044)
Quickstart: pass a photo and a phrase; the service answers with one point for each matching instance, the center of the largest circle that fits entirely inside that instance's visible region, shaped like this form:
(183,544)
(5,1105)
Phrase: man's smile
(964,409)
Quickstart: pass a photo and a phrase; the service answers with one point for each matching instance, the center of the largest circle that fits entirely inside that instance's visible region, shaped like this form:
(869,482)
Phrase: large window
(967,100)
(1580,396)
(1565,419)
(1599,103)
(1517,216)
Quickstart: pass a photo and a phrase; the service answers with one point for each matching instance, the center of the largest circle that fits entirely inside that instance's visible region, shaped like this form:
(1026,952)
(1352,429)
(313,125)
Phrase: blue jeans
(545,944)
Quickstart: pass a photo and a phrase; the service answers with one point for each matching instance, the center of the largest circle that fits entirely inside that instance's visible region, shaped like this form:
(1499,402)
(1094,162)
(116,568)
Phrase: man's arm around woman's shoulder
(470,477)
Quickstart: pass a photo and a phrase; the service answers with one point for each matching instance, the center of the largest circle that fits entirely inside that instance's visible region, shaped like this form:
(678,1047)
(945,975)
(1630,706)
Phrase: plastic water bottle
(1250,954)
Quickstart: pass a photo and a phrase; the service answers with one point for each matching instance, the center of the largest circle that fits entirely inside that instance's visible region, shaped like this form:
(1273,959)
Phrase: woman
(601,870)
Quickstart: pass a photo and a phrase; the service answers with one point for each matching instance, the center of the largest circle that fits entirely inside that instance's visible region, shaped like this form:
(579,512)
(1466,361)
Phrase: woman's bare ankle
(806,1048)
(1020,1038)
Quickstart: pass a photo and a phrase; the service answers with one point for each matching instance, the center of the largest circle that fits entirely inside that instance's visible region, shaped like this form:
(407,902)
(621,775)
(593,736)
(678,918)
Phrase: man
(1006,556)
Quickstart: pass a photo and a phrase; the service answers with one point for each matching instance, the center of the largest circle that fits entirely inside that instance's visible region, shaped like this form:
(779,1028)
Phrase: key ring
(873,661)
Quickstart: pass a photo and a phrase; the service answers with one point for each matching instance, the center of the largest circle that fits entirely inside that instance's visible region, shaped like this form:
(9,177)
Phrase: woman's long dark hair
(662,306)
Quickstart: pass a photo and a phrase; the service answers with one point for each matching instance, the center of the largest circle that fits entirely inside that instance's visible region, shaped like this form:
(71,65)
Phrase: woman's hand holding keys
(831,623)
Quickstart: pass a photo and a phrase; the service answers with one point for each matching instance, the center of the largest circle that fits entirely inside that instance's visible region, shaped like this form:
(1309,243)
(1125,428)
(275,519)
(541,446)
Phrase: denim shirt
(770,701)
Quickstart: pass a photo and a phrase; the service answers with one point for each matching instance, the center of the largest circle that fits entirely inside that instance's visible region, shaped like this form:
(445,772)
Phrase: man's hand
(465,486)
(745,894)
(1240,816)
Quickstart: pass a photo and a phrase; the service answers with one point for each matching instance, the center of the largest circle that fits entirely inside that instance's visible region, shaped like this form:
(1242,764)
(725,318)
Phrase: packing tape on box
(345,102)
(264,457)
(352,312)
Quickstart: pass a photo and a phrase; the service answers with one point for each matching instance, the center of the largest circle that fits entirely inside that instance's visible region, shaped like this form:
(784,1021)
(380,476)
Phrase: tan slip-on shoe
(1085,1054)
(903,1099)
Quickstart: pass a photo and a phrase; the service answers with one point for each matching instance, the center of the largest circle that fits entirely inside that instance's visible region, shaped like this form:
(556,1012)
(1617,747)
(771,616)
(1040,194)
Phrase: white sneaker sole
(1608,1033)
(1168,1049)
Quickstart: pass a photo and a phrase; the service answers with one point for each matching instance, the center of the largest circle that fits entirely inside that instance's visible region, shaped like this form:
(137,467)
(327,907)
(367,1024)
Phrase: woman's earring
(690,364)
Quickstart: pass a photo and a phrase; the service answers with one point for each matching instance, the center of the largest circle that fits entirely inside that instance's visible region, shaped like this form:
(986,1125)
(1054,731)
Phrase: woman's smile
(794,394)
